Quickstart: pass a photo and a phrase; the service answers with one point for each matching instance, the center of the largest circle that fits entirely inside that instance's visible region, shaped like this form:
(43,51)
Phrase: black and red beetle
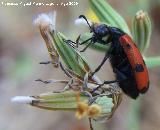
(124,56)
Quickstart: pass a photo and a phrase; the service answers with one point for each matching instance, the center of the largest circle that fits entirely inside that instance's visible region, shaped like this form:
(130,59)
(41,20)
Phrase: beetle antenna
(84,17)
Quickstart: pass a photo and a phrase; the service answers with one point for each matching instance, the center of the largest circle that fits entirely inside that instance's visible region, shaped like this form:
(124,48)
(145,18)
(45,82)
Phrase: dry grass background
(22,48)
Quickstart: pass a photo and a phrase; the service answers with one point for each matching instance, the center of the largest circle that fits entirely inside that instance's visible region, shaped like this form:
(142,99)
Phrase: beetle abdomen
(137,63)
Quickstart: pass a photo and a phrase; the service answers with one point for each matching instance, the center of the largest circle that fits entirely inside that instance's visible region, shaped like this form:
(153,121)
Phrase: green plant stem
(152,61)
(133,121)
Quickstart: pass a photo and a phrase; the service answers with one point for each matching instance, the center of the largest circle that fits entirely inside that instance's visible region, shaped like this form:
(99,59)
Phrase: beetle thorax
(101,30)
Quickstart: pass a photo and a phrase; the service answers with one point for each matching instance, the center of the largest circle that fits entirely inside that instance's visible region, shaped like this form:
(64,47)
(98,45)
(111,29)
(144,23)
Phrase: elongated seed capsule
(141,30)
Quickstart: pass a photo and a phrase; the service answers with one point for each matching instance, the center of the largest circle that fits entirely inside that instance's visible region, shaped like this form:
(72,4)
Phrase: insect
(125,58)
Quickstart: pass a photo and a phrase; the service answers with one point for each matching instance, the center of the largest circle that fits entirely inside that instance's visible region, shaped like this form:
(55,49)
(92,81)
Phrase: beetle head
(99,30)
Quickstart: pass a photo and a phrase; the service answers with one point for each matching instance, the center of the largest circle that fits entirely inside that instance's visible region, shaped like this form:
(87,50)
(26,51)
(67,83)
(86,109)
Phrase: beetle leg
(102,63)
(105,82)
(107,55)
(85,41)
(75,44)
(71,43)
(86,47)
(120,77)
(77,40)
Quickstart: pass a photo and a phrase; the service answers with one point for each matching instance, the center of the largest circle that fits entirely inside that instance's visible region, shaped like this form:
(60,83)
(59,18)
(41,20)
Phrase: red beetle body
(135,58)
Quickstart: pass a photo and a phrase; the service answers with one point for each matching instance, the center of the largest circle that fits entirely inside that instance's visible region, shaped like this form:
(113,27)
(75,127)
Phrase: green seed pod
(52,101)
(57,46)
(102,107)
(72,58)
(65,101)
(141,30)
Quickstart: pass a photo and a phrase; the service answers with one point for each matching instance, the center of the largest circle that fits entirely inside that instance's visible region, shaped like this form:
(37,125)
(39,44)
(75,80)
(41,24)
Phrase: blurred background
(22,48)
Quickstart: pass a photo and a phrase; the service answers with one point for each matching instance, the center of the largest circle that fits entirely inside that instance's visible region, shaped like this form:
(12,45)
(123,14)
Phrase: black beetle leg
(107,55)
(86,47)
(71,43)
(85,41)
(105,82)
(77,41)
(102,63)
